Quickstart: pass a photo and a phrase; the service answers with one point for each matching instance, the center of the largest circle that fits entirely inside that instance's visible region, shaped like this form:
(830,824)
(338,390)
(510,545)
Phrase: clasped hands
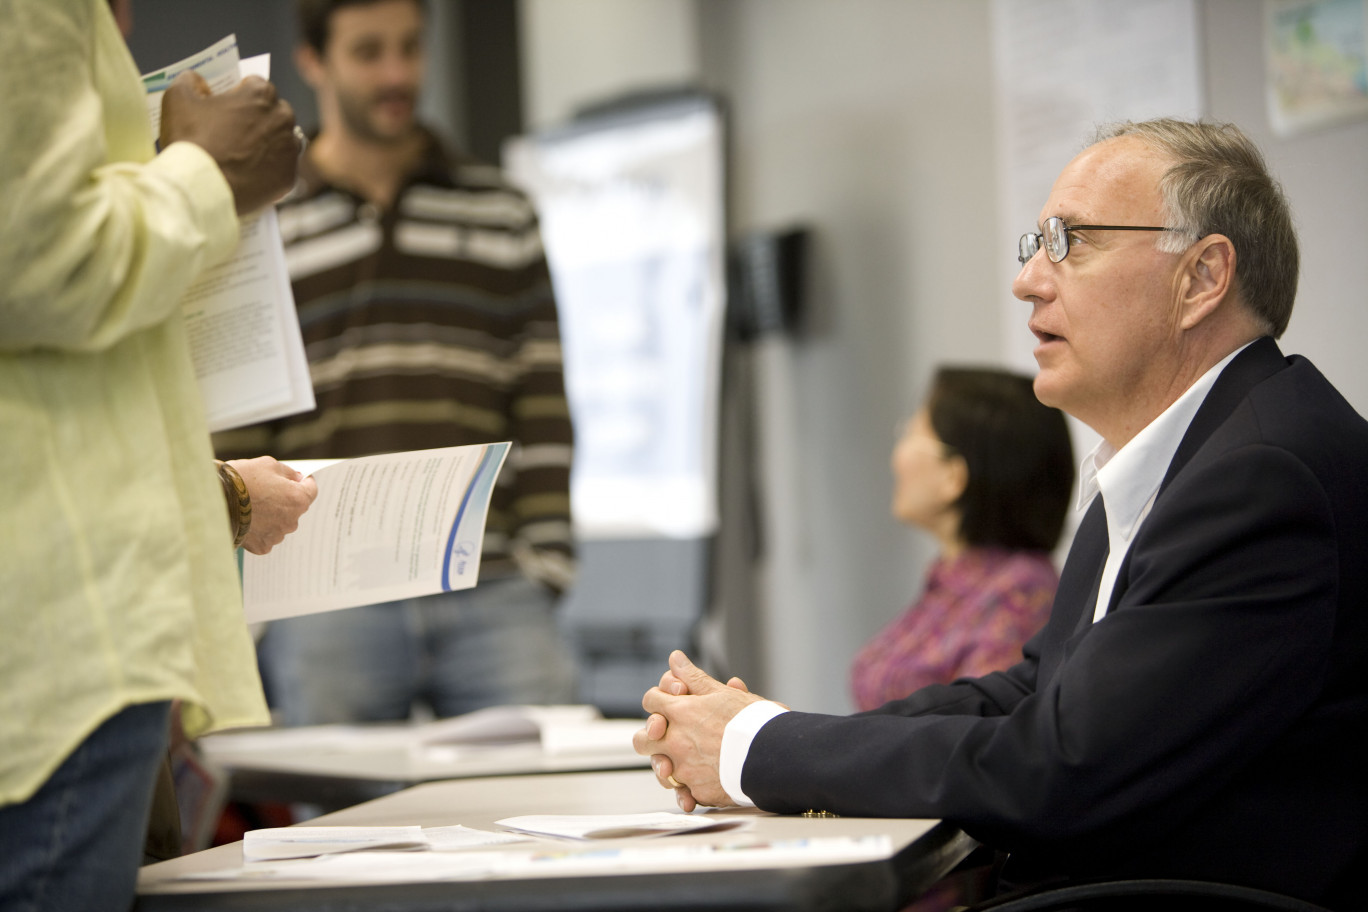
(689,711)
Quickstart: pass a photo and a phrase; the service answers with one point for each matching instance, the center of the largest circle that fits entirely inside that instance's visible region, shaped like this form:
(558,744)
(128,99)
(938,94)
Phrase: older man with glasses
(1196,706)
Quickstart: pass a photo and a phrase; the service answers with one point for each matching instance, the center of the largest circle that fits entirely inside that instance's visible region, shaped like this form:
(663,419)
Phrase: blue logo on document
(462,551)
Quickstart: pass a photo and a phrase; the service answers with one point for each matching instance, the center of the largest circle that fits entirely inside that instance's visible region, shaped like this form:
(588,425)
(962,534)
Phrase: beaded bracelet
(239,501)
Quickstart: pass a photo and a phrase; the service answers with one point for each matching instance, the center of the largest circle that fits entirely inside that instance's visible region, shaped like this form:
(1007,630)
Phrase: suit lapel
(1082,573)
(1259,361)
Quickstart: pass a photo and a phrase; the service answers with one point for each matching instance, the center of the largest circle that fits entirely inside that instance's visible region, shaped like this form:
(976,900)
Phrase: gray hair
(1219,184)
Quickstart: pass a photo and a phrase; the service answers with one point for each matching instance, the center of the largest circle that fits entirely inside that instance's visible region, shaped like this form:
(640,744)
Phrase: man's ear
(309,65)
(1207,278)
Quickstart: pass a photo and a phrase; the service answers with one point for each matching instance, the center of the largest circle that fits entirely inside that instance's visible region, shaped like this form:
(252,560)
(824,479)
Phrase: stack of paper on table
(504,724)
(281,843)
(461,853)
(618,826)
(558,730)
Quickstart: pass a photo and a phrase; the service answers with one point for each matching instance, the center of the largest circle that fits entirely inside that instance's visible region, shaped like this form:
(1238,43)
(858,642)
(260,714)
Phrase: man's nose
(399,69)
(1035,281)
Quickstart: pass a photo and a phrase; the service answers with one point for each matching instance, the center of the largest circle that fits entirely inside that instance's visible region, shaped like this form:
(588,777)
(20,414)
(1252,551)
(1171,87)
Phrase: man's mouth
(394,99)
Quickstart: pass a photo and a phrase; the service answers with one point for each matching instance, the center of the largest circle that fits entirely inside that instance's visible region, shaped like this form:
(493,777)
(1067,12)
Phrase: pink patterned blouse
(972,618)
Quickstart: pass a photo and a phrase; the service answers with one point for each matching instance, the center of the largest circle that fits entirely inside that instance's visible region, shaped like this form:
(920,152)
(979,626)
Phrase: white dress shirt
(1128,480)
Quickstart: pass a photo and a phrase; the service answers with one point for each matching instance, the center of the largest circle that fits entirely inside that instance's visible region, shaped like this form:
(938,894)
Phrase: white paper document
(510,724)
(475,863)
(386,527)
(278,843)
(592,737)
(454,837)
(281,843)
(555,730)
(240,315)
(618,826)
(519,736)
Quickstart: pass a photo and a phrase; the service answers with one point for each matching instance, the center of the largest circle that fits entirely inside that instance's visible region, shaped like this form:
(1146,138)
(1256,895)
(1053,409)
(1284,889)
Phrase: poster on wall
(631,206)
(1316,55)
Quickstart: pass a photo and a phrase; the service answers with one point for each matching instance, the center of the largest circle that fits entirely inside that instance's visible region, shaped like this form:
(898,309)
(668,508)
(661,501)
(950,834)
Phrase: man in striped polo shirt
(429,320)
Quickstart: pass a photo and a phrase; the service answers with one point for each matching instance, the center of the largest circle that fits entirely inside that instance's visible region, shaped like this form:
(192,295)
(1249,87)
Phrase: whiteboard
(632,211)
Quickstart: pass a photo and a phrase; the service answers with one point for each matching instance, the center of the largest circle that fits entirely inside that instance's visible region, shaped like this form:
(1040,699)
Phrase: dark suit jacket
(1213,725)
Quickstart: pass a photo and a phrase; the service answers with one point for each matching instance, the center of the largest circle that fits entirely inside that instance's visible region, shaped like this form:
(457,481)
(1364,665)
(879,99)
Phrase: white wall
(871,120)
(577,52)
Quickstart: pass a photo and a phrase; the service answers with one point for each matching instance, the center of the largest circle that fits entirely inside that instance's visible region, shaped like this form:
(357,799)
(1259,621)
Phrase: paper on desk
(386,527)
(410,867)
(240,315)
(448,838)
(557,730)
(593,736)
(746,852)
(504,724)
(618,826)
(278,843)
(560,729)
(360,867)
(282,843)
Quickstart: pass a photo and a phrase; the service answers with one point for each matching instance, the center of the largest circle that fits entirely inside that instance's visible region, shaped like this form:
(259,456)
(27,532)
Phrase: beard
(357,117)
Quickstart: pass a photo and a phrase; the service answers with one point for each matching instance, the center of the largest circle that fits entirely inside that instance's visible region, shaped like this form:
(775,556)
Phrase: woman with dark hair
(987,470)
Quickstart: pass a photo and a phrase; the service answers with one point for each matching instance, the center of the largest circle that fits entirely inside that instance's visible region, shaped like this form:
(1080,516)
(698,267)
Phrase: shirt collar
(1129,477)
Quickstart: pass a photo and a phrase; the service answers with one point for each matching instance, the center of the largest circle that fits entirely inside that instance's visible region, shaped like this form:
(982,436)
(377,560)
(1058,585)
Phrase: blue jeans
(456,651)
(78,841)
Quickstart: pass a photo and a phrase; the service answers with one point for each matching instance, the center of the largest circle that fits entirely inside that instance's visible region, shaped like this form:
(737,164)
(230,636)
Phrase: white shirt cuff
(736,742)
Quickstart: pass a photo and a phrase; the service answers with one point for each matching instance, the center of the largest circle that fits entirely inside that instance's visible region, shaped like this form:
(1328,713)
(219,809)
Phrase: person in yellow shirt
(118,588)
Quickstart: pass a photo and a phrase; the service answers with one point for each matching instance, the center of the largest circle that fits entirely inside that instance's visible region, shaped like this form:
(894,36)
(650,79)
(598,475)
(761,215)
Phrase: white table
(918,853)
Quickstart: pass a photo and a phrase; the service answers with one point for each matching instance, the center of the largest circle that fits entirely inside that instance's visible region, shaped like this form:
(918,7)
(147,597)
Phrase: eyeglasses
(1055,238)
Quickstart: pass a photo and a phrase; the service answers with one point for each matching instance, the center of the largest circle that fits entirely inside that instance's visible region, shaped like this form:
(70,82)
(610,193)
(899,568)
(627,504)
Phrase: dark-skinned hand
(247,130)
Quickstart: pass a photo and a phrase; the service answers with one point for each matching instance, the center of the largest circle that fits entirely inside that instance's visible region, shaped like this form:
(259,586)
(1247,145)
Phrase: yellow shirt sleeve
(99,237)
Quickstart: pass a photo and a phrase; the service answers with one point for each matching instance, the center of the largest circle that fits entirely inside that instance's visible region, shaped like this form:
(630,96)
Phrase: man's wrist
(736,742)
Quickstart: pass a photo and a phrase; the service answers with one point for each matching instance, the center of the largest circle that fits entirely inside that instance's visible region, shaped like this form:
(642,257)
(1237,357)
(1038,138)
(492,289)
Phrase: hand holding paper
(248,131)
(386,527)
(280,495)
(240,316)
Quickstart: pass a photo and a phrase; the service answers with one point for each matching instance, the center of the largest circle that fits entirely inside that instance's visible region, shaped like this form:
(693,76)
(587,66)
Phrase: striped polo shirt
(431,324)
